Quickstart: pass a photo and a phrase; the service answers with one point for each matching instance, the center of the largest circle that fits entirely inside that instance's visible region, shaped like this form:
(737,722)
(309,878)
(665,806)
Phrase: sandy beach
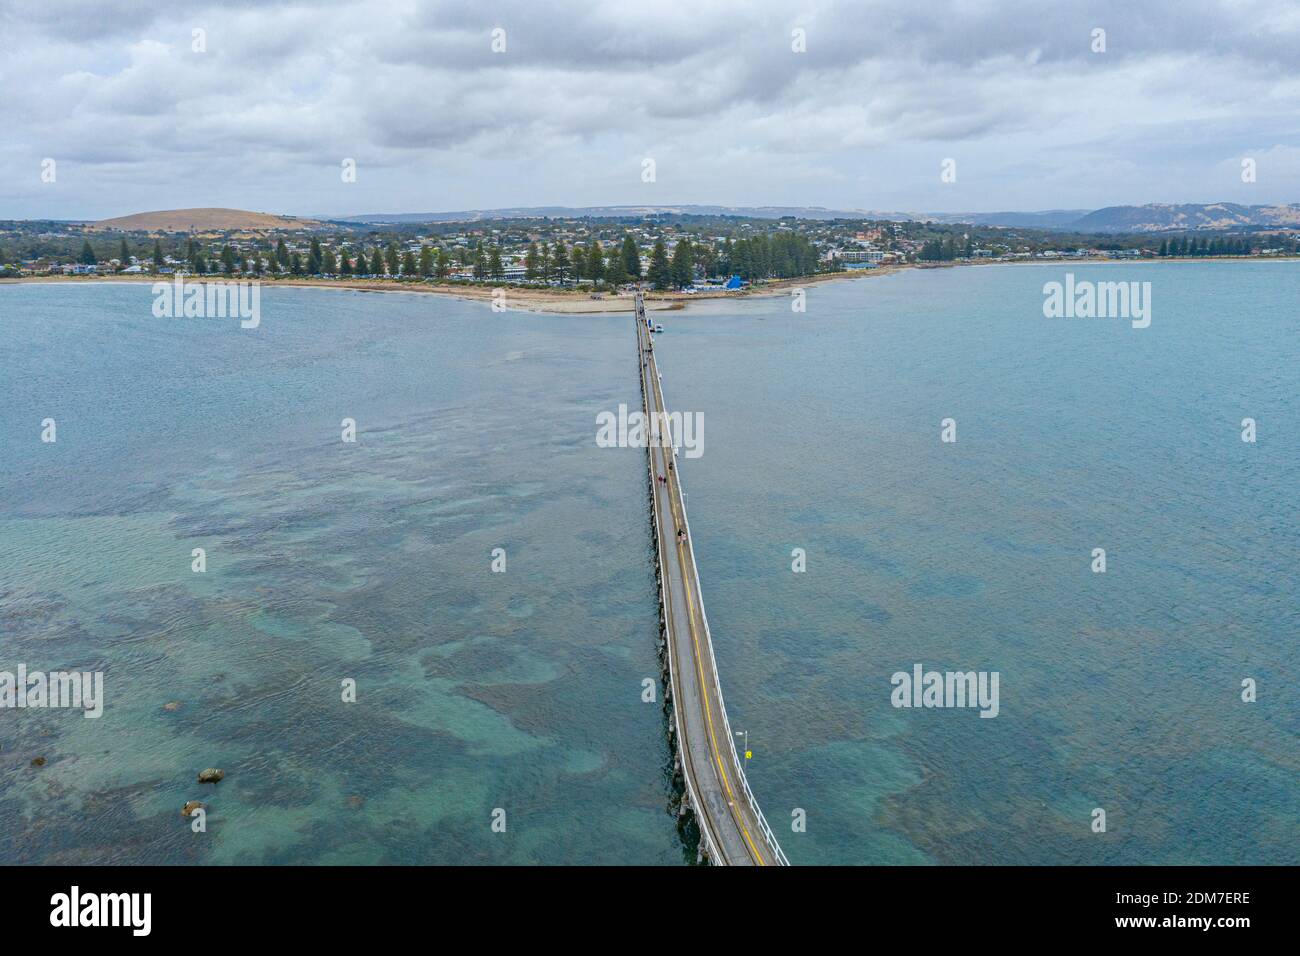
(566,301)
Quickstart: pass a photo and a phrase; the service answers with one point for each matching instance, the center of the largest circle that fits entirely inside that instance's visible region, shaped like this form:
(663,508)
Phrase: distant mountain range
(1153,217)
(613,212)
(1049,219)
(1157,217)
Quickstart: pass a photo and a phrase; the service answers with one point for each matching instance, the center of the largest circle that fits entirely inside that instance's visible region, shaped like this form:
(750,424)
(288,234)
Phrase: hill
(610,212)
(1154,217)
(204,220)
(1048,219)
(1158,217)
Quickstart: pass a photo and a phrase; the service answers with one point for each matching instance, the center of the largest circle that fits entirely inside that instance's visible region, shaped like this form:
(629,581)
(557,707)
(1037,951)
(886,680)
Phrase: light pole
(745,734)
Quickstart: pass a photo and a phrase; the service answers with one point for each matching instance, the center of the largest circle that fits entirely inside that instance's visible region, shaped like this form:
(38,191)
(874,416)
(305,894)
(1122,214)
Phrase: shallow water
(522,690)
(325,561)
(1118,690)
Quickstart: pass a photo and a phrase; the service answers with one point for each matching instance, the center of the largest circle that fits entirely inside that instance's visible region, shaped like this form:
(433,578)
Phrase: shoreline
(519,299)
(516,299)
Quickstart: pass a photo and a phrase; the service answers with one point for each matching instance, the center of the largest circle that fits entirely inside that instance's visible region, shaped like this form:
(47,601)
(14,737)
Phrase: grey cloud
(586,88)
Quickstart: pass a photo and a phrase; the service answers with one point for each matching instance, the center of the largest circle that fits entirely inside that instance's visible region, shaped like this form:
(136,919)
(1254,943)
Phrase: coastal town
(569,438)
(682,253)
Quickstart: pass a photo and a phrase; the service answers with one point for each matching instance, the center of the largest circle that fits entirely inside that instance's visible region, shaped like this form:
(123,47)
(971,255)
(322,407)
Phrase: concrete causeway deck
(732,828)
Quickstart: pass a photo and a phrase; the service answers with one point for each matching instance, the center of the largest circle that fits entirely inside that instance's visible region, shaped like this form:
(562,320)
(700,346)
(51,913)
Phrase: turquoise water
(476,690)
(1118,690)
(521,690)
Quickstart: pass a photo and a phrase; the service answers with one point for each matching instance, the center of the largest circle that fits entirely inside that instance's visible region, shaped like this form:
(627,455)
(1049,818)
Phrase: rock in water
(190,807)
(38,761)
(211,775)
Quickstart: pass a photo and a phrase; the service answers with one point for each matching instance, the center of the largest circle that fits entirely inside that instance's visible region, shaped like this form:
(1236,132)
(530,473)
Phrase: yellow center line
(699,660)
(708,712)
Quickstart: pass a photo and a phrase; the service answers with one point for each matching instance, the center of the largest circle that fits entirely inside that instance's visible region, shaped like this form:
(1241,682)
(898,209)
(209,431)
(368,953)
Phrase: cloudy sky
(711,90)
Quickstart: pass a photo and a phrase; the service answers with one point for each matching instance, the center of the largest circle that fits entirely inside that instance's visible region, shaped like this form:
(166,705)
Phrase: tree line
(1203,246)
(779,256)
(945,250)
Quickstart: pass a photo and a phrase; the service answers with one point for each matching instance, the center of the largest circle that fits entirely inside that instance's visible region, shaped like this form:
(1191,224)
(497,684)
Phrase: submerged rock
(172,705)
(190,807)
(211,775)
(38,761)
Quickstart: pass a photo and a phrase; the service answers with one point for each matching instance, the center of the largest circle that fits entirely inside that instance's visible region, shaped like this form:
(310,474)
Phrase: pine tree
(706,258)
(426,261)
(123,255)
(158,258)
(595,262)
(227,259)
(377,262)
(560,261)
(532,268)
(615,270)
(409,266)
(443,267)
(631,257)
(87,257)
(660,273)
(495,269)
(392,258)
(683,264)
(329,265)
(282,254)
